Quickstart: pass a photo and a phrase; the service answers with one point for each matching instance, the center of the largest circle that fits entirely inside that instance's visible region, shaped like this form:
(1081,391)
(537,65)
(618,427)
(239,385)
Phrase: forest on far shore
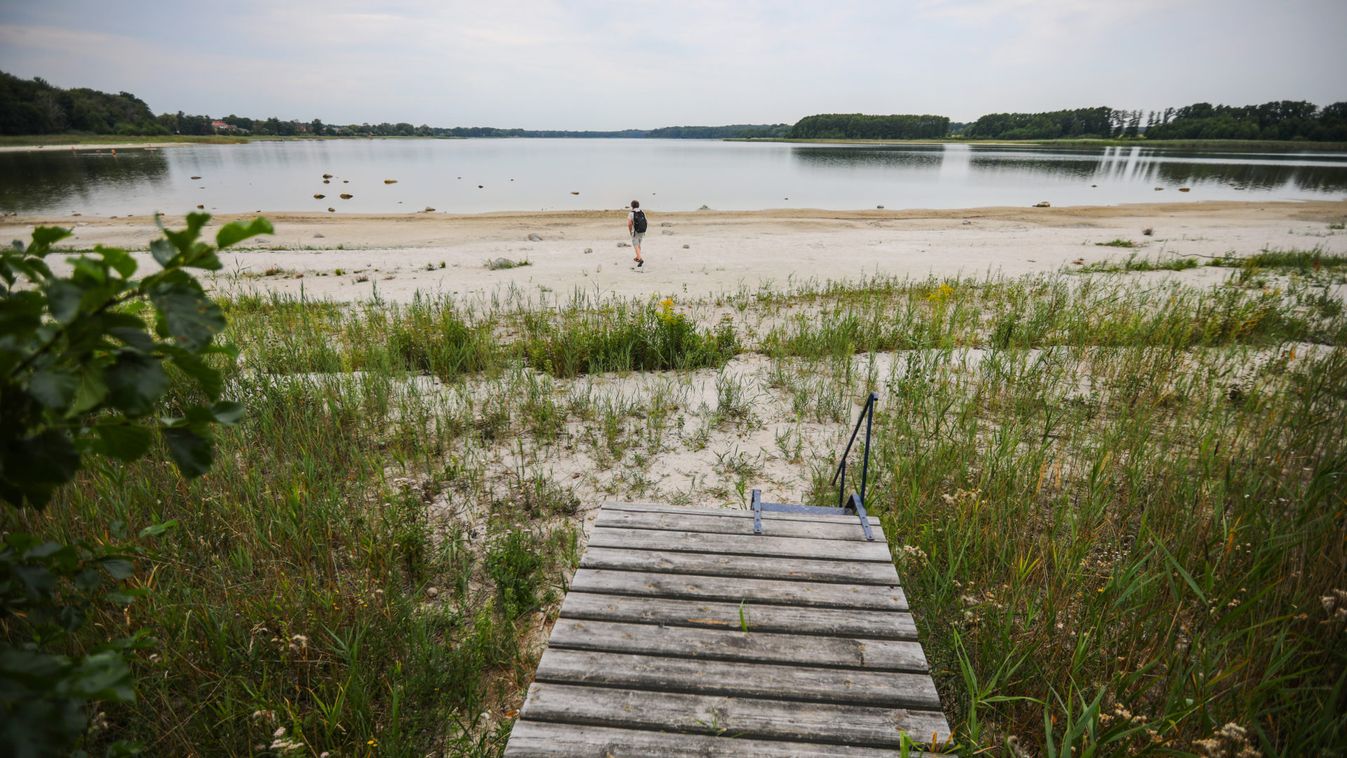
(35,107)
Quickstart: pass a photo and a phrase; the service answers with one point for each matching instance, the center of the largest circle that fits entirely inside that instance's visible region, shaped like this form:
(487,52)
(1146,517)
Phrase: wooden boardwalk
(685,634)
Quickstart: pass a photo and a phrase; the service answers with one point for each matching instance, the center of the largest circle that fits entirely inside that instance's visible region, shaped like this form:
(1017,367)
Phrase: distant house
(221,127)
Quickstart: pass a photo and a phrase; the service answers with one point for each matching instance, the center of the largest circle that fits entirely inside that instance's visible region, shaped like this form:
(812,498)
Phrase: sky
(586,64)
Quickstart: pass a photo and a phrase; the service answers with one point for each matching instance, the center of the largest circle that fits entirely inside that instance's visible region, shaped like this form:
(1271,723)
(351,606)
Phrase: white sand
(726,251)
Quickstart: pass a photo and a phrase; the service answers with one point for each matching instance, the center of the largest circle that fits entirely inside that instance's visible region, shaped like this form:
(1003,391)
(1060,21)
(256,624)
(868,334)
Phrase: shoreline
(116,142)
(694,254)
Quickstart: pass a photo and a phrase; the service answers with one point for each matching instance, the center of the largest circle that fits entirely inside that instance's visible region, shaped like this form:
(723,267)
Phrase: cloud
(640,63)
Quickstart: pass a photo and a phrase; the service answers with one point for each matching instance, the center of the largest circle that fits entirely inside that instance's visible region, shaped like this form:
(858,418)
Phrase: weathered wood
(742,680)
(538,739)
(733,512)
(685,634)
(733,589)
(750,544)
(701,521)
(733,717)
(735,645)
(758,567)
(830,622)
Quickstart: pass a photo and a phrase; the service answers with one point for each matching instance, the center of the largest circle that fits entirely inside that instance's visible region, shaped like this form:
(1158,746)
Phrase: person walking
(636,225)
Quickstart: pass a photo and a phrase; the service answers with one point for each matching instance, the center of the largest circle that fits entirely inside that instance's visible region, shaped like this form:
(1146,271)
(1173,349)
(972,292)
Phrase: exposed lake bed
(356,256)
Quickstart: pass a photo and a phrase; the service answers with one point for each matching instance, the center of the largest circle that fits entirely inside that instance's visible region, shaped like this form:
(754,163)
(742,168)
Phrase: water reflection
(41,180)
(918,158)
(470,176)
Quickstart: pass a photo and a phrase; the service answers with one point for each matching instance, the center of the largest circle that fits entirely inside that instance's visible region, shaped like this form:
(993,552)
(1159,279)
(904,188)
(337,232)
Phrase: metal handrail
(868,416)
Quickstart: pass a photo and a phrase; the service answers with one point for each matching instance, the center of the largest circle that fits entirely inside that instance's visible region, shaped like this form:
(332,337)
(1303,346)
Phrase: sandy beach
(350,257)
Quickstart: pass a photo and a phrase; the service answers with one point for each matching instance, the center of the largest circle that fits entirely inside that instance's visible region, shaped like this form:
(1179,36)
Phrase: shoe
(640,264)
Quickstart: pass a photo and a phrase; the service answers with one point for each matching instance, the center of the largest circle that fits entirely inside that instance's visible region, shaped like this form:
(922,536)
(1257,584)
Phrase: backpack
(638,220)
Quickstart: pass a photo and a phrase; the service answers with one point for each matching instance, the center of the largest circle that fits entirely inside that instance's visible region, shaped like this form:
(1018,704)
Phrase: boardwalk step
(735,645)
(684,633)
(734,544)
(743,680)
(833,622)
(714,564)
(846,529)
(732,589)
(735,717)
(538,739)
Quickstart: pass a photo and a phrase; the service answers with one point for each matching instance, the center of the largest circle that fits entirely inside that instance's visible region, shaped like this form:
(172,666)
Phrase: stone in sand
(666,224)
(390,181)
(346,196)
(589,250)
(318,196)
(535,237)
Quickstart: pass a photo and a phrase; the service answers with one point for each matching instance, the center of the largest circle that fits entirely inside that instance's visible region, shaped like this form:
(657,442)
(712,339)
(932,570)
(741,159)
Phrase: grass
(1315,263)
(1118,242)
(1117,506)
(504,264)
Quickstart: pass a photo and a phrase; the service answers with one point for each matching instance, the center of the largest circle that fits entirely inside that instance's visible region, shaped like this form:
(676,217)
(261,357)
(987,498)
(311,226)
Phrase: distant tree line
(1080,122)
(36,107)
(1281,120)
(33,107)
(861,126)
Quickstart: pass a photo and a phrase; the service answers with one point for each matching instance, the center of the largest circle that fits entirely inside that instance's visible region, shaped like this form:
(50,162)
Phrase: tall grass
(1117,507)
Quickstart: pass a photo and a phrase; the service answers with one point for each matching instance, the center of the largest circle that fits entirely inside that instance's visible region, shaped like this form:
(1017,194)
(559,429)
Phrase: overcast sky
(637,64)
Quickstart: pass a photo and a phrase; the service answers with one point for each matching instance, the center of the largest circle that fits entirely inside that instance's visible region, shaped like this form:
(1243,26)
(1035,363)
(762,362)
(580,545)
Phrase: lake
(479,175)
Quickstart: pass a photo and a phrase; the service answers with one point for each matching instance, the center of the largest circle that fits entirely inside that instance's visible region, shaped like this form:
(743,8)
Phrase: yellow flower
(941,294)
(372,742)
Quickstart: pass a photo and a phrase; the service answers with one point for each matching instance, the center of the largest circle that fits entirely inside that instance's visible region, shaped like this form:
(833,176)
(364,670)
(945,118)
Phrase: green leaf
(163,251)
(118,568)
(120,260)
(90,268)
(46,236)
(237,231)
(189,316)
(191,364)
(91,391)
(190,450)
(134,337)
(63,297)
(53,387)
(102,676)
(34,466)
(135,381)
(184,239)
(227,412)
(154,530)
(125,442)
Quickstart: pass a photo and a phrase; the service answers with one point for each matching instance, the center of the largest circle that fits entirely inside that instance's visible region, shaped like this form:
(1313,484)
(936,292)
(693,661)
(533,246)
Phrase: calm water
(544,174)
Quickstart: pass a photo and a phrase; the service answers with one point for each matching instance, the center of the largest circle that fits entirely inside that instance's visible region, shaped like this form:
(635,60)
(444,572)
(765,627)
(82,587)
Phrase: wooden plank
(539,739)
(742,718)
(830,622)
(733,513)
(716,523)
(785,547)
(536,739)
(712,564)
(735,645)
(733,589)
(745,680)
